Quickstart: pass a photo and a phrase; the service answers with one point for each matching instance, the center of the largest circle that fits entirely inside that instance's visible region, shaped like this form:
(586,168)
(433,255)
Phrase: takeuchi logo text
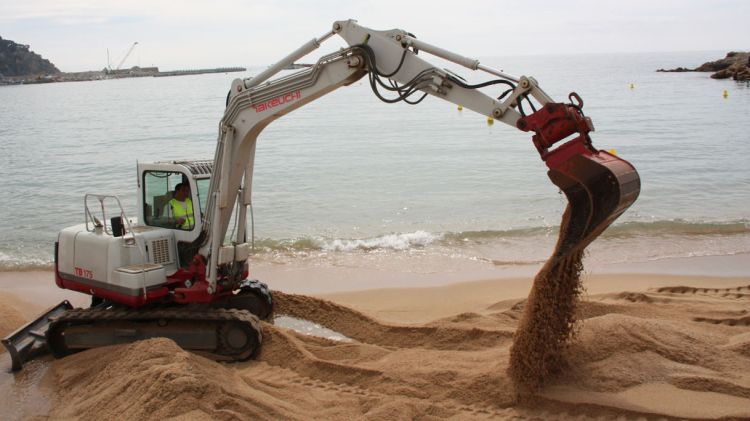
(279,100)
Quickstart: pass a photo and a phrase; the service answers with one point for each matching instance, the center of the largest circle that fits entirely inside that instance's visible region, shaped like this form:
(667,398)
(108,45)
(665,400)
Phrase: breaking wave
(418,239)
(10,261)
(397,242)
(677,227)
(38,258)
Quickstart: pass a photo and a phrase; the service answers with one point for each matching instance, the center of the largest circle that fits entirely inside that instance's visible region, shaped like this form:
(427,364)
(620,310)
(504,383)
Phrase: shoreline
(35,290)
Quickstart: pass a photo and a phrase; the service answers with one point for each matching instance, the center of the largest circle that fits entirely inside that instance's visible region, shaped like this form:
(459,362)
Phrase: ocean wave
(522,239)
(26,267)
(386,242)
(677,227)
(660,228)
(420,239)
(396,241)
(479,236)
(16,263)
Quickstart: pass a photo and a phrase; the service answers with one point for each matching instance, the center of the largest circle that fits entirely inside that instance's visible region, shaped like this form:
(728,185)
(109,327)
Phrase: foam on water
(630,241)
(22,262)
(386,242)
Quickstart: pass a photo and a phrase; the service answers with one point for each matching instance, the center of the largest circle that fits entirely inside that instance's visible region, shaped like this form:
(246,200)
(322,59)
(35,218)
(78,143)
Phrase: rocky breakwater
(735,65)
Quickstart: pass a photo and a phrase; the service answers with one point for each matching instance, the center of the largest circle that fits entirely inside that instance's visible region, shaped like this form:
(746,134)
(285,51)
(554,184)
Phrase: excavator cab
(158,182)
(157,197)
(157,186)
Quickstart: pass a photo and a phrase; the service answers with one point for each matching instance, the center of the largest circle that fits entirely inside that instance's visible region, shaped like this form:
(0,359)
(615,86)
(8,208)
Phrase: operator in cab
(180,208)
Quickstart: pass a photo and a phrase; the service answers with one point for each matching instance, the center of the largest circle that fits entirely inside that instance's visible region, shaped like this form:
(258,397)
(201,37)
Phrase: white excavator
(179,276)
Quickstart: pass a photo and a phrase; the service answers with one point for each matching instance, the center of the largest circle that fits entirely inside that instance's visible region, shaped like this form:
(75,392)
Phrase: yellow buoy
(460,107)
(632,86)
(613,152)
(726,93)
(490,121)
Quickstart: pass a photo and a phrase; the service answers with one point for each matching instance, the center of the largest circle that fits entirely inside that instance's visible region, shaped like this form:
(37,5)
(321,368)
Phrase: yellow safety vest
(183,210)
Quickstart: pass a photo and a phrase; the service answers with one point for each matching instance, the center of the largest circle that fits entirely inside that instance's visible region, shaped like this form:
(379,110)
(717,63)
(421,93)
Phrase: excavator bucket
(599,188)
(30,340)
(599,185)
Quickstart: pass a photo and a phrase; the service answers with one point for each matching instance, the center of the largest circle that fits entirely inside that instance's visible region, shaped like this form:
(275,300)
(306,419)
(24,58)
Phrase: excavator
(153,276)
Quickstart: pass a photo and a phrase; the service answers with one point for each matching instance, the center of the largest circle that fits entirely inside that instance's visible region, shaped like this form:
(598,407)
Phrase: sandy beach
(662,345)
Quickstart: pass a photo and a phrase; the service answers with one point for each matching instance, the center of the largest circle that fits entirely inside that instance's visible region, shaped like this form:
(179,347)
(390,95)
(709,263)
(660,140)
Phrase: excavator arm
(598,185)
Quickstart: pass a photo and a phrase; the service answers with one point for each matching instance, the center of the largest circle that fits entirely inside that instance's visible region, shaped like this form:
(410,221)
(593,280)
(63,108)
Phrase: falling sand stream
(548,318)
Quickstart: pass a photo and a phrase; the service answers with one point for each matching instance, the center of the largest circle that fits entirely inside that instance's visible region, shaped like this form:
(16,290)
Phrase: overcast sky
(75,34)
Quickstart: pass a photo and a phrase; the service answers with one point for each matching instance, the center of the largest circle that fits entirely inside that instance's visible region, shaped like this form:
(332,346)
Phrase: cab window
(203,185)
(159,187)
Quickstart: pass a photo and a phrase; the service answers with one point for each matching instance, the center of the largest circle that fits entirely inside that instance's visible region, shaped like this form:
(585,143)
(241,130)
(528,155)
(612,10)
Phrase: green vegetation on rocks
(19,60)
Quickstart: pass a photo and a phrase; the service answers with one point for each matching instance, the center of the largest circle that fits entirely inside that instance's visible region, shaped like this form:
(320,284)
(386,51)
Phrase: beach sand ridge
(669,352)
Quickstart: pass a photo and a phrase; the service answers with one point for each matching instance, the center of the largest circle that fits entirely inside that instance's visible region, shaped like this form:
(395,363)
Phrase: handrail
(107,227)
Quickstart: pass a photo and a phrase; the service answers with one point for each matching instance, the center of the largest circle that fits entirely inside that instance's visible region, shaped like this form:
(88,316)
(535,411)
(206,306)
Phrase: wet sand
(646,345)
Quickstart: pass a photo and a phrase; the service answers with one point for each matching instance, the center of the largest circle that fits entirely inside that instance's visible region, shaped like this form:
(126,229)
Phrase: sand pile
(611,352)
(660,359)
(635,354)
(152,379)
(295,377)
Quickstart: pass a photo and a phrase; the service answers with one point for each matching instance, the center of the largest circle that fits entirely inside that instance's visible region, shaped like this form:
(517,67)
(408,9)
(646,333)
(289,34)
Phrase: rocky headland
(735,65)
(20,65)
(18,60)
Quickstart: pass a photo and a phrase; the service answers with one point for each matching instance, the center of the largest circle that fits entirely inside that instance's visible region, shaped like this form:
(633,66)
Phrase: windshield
(167,199)
(203,184)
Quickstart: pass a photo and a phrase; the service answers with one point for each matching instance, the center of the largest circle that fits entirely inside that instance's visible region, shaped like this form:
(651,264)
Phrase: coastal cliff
(735,65)
(19,60)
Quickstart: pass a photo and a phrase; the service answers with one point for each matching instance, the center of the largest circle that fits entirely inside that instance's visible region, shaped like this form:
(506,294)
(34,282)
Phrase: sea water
(351,179)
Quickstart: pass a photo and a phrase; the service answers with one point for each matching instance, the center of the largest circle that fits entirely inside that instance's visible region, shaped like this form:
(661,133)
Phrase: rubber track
(182,314)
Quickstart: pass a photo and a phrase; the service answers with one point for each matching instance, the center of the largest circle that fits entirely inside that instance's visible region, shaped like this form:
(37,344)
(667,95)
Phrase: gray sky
(75,35)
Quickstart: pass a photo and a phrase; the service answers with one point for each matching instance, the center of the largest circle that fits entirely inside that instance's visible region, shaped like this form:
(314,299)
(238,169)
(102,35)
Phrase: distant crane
(132,47)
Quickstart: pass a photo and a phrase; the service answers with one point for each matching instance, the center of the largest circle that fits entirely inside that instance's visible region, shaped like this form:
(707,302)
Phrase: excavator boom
(599,185)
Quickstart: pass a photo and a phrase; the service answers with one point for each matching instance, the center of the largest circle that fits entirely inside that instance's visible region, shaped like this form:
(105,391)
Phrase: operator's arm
(168,217)
(167,212)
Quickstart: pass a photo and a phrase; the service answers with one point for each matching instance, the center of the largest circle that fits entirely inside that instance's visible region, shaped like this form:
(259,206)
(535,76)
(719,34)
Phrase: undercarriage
(225,330)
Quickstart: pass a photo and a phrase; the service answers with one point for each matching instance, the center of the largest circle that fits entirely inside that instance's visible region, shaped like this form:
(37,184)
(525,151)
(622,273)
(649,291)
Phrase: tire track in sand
(740,293)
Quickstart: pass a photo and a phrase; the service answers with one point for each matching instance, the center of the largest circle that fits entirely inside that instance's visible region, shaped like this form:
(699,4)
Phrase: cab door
(158,189)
